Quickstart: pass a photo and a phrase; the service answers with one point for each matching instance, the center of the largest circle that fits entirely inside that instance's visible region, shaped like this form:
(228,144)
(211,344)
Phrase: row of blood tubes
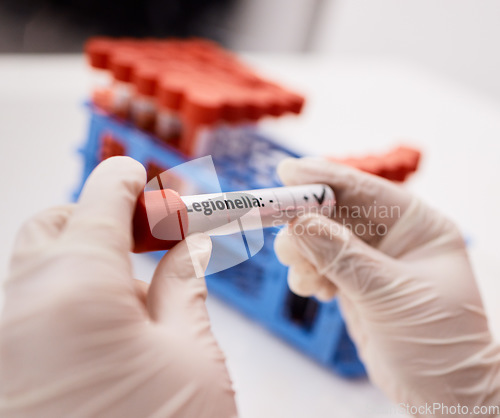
(177,89)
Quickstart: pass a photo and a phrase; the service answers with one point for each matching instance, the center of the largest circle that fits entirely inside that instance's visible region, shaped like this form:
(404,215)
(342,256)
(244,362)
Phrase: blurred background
(457,38)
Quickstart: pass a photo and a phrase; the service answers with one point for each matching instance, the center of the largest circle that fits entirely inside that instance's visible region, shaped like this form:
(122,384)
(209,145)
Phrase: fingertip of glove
(317,235)
(123,162)
(284,248)
(303,279)
(200,249)
(286,169)
(293,171)
(314,224)
(326,291)
(125,167)
(199,241)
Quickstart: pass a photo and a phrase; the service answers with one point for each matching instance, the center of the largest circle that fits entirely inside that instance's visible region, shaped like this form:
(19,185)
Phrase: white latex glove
(408,292)
(79,337)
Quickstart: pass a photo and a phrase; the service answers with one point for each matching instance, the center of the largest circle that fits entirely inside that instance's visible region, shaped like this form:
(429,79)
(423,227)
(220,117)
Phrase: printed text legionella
(210,206)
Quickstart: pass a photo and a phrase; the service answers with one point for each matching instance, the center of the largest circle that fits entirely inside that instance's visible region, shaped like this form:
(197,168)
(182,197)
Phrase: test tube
(98,50)
(121,63)
(174,81)
(163,218)
(144,106)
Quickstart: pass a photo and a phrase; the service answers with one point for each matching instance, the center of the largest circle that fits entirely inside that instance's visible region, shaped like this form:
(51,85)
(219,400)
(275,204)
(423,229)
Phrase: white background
(458,39)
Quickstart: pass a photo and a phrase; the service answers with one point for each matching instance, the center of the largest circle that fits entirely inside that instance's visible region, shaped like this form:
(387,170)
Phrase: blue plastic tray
(257,287)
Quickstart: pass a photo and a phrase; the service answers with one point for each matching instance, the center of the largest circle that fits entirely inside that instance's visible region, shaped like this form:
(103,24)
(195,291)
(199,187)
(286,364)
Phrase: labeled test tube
(163,217)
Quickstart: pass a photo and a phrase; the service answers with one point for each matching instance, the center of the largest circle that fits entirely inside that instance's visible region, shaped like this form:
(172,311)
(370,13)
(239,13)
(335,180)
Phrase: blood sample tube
(97,51)
(144,108)
(171,90)
(163,217)
(121,63)
(174,82)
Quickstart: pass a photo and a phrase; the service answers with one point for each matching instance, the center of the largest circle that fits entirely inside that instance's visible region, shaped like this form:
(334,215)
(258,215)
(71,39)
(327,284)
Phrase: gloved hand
(405,286)
(79,337)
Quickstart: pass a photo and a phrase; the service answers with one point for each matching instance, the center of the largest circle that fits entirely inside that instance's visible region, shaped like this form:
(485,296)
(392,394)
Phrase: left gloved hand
(80,338)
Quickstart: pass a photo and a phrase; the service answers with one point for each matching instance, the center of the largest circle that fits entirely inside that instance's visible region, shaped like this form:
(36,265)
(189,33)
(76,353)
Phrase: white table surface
(354,107)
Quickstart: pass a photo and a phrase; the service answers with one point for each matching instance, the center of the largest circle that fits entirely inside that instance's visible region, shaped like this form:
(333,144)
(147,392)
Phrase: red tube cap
(160,221)
(98,50)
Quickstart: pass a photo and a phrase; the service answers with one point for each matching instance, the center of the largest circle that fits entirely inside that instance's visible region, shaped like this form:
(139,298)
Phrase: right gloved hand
(405,286)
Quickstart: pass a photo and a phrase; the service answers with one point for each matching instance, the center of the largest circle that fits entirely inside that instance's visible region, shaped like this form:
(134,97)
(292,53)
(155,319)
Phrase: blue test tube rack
(258,286)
